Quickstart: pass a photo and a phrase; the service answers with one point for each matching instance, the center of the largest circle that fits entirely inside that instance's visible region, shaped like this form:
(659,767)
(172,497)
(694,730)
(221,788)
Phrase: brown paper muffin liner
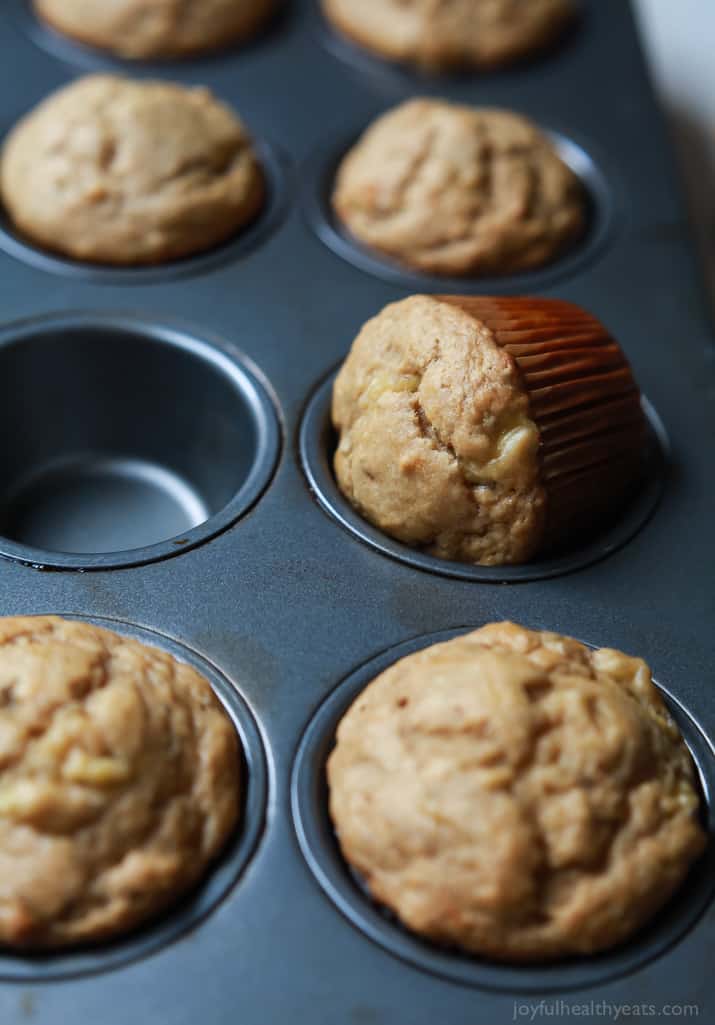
(584,400)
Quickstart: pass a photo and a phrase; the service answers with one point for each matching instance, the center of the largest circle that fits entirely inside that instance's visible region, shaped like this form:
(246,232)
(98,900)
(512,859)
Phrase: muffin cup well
(148,441)
(192,909)
(276,173)
(407,76)
(316,836)
(317,443)
(92,58)
(603,215)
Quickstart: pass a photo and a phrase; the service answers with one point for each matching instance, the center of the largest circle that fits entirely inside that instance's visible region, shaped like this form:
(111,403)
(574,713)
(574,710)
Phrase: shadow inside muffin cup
(321,850)
(193,908)
(149,441)
(317,444)
(275,168)
(92,58)
(602,214)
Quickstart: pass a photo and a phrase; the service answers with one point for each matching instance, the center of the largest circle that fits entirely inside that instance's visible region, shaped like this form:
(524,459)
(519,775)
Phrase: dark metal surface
(283,600)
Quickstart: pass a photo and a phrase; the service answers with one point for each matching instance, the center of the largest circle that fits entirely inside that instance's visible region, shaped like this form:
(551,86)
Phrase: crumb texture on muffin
(437,446)
(516,794)
(119,781)
(450,189)
(487,430)
(440,34)
(155,28)
(116,171)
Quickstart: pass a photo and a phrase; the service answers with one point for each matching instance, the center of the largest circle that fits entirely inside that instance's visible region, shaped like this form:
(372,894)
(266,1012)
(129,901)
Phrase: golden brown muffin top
(440,34)
(452,189)
(437,446)
(517,794)
(155,28)
(117,171)
(119,781)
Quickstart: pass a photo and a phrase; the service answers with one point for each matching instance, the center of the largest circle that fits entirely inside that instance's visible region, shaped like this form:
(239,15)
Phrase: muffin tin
(180,414)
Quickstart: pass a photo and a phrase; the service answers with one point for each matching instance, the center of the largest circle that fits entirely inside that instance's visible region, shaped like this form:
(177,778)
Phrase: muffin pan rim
(605,207)
(245,377)
(316,464)
(278,176)
(223,875)
(320,849)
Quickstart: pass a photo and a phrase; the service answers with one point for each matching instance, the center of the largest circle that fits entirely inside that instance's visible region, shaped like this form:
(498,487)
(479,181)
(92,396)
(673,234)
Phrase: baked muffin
(155,28)
(119,781)
(448,33)
(516,794)
(449,189)
(487,430)
(113,171)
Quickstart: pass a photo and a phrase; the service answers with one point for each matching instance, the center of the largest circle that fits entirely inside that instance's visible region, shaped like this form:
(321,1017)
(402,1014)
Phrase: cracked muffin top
(155,28)
(487,430)
(450,189)
(113,171)
(516,794)
(440,34)
(119,781)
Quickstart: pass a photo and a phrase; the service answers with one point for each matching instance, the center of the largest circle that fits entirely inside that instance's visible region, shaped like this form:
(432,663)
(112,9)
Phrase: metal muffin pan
(276,599)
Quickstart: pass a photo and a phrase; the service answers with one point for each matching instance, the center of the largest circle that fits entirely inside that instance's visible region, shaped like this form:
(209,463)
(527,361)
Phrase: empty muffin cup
(132,442)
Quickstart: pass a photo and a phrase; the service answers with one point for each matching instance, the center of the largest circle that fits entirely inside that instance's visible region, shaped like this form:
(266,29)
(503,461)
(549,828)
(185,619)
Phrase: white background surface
(679,37)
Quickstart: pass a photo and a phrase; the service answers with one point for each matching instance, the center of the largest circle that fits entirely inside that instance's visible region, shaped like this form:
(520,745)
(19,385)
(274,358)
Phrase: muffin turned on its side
(487,430)
(516,794)
(449,189)
(155,28)
(120,781)
(109,170)
(451,33)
